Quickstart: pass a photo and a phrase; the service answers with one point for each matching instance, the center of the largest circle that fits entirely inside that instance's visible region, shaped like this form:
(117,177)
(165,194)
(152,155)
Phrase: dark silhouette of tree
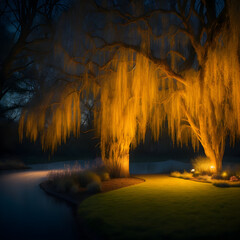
(27,25)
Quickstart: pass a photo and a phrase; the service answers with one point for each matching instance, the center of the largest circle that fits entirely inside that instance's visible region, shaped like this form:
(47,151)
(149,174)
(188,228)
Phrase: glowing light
(224,174)
(212,167)
(193,170)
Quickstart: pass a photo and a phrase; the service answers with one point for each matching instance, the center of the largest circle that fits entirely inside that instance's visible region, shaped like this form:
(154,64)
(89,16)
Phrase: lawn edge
(85,228)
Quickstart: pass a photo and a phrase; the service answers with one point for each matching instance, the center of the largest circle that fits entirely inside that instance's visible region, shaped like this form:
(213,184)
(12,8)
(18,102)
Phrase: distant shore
(12,164)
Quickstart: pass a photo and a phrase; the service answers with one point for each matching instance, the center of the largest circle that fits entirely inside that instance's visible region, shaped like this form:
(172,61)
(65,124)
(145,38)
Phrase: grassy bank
(165,208)
(12,164)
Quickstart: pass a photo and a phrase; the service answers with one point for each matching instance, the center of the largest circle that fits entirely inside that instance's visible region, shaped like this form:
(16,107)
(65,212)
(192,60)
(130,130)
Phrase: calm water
(27,212)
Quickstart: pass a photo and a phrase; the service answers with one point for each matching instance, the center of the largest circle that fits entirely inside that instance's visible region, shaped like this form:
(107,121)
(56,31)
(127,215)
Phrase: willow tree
(174,61)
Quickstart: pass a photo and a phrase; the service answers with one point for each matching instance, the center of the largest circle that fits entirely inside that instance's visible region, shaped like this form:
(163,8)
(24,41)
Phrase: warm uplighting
(212,168)
(134,91)
(224,174)
(193,170)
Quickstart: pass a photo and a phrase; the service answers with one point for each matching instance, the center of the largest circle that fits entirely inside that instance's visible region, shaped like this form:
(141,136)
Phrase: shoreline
(75,199)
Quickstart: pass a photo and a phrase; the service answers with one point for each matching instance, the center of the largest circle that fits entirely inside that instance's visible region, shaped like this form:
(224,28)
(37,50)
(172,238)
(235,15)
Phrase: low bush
(94,187)
(233,171)
(105,176)
(205,178)
(175,174)
(196,174)
(202,165)
(185,175)
(224,179)
(74,188)
(102,173)
(233,179)
(86,177)
(75,178)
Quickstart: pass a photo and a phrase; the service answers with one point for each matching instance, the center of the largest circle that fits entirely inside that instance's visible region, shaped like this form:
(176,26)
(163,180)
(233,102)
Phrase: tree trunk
(124,166)
(218,165)
(212,136)
(215,154)
(118,160)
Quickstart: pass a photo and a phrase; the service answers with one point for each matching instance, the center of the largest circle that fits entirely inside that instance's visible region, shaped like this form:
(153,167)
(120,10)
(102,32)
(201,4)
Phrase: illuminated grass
(165,208)
(185,175)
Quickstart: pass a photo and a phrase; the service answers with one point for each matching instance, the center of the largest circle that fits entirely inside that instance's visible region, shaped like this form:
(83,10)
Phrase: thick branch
(161,63)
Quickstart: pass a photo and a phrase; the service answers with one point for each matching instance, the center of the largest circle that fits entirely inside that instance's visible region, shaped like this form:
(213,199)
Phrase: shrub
(196,174)
(202,165)
(175,174)
(74,188)
(87,177)
(216,176)
(105,176)
(71,179)
(102,173)
(234,179)
(234,171)
(185,175)
(94,187)
(205,178)
(226,175)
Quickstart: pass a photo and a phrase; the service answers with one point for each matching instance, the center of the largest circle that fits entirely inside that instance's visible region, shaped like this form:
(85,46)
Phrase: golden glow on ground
(164,207)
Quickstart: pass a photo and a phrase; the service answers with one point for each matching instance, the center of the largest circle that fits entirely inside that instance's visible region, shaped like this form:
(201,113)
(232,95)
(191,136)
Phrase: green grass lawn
(165,208)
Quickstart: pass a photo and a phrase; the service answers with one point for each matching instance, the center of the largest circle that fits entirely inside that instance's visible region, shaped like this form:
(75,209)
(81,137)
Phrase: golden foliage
(52,121)
(133,94)
(127,99)
(207,109)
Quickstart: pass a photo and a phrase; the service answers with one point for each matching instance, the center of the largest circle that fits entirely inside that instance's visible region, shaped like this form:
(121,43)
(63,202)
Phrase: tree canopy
(143,64)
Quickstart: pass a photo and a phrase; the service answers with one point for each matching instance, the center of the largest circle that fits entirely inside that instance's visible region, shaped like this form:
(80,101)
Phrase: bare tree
(28,26)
